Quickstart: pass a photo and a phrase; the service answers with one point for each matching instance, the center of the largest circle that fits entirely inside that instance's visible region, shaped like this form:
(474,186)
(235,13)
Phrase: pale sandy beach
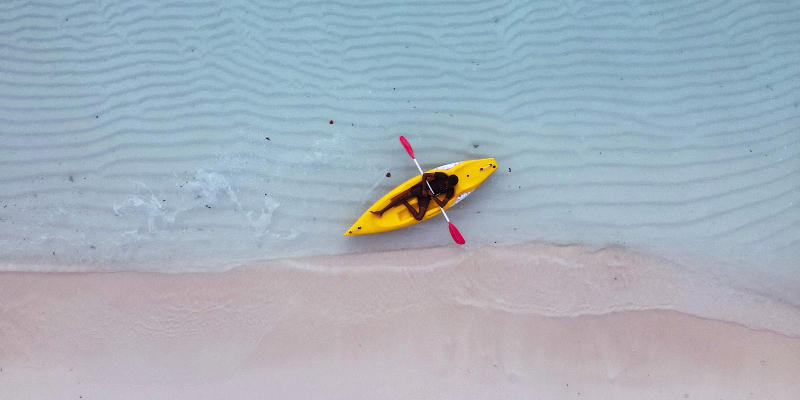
(176,177)
(380,326)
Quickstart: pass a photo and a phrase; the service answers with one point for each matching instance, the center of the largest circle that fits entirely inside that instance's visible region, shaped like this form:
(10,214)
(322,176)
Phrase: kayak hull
(470,174)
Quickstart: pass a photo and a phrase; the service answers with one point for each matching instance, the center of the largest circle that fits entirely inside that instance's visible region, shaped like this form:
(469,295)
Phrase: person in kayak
(441,183)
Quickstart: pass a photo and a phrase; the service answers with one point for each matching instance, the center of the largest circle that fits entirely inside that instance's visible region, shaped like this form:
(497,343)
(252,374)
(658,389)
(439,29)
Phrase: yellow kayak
(470,175)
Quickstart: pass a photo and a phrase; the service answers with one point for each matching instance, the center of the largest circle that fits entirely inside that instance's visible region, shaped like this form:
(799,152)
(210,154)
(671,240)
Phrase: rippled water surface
(201,135)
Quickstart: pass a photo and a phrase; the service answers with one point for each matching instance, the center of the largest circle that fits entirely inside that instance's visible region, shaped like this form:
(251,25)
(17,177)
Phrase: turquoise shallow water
(198,136)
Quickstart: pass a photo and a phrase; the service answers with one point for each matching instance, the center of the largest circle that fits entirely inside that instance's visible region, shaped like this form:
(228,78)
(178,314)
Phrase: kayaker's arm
(425,190)
(441,203)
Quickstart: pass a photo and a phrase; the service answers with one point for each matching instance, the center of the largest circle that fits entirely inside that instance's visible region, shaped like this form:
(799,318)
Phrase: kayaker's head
(452,181)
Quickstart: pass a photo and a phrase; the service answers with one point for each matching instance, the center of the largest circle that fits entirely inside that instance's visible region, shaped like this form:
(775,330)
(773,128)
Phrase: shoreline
(515,321)
(545,279)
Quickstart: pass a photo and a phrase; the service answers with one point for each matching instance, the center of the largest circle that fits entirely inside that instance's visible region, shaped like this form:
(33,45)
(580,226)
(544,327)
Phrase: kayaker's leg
(423,206)
(400,200)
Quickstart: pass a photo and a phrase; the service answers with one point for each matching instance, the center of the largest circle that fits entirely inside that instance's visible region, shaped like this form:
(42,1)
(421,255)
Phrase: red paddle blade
(407,146)
(456,234)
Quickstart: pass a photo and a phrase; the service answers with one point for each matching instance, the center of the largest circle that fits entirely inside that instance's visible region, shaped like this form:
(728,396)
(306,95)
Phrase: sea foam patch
(261,224)
(203,190)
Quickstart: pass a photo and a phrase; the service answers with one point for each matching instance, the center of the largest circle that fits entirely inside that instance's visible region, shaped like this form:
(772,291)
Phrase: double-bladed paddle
(453,231)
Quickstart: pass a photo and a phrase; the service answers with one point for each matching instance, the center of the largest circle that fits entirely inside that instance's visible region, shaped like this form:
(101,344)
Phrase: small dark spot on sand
(388,174)
(269,140)
(496,20)
(207,206)
(35,195)
(54,253)
(96,116)
(93,247)
(509,170)
(475,145)
(71,179)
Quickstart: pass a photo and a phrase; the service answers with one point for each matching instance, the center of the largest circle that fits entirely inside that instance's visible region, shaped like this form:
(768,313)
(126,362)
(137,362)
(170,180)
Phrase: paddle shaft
(431,189)
(453,230)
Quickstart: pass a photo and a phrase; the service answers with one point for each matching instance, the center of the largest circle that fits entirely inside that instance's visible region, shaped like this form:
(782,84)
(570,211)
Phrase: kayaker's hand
(447,198)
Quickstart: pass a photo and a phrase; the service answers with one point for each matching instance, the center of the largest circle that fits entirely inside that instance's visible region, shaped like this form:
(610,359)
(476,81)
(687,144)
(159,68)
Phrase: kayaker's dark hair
(452,181)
